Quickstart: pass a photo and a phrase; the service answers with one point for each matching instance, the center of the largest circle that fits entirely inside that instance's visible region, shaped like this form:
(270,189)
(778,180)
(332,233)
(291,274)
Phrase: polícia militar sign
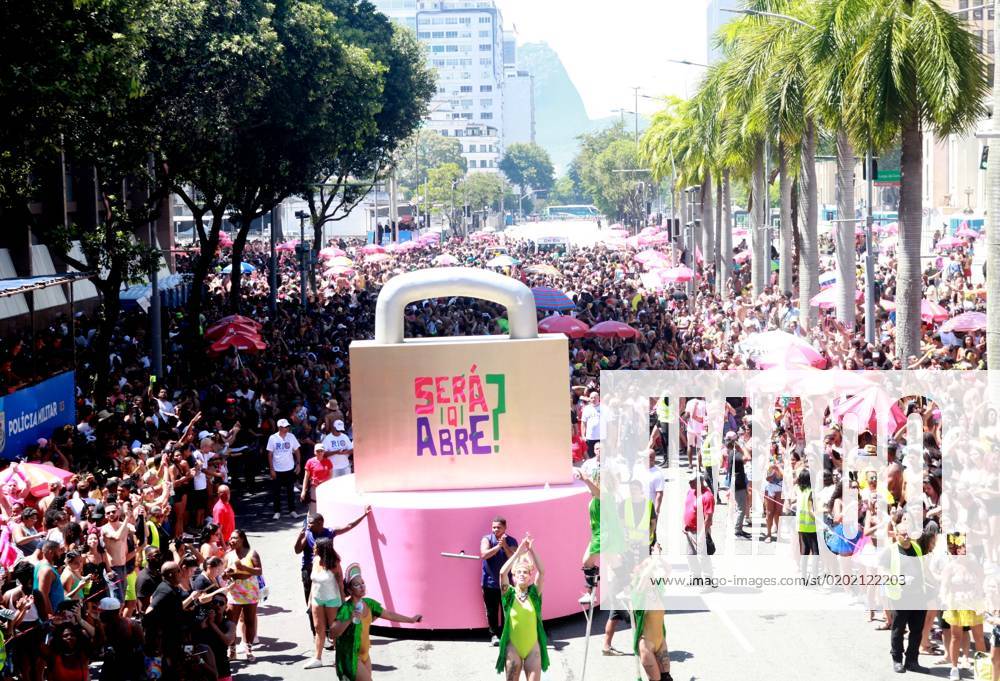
(31,413)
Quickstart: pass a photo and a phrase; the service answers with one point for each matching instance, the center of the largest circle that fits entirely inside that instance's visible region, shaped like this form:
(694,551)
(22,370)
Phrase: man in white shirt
(339,447)
(646,471)
(591,418)
(283,460)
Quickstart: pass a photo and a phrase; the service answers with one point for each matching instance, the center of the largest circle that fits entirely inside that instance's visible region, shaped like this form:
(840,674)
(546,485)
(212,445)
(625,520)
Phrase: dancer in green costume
(354,620)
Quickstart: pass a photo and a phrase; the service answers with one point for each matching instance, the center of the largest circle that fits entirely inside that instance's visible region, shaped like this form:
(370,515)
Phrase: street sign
(888,171)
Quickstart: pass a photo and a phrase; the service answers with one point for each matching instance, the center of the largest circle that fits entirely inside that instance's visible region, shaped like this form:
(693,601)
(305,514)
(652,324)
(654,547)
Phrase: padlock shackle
(447,282)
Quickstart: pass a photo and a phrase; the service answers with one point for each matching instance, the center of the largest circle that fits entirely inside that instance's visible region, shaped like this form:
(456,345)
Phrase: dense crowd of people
(136,559)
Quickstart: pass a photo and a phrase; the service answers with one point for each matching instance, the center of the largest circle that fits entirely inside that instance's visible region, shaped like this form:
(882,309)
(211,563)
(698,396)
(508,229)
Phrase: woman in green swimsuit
(522,642)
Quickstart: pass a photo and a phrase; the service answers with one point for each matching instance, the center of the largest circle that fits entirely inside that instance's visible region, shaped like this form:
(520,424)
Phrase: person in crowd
(353,625)
(319,469)
(339,447)
(283,460)
(223,514)
(495,549)
(327,579)
(243,567)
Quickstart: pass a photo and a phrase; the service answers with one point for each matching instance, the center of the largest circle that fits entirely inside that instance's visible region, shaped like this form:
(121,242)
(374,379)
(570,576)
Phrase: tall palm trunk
(847,274)
(708,227)
(718,234)
(759,265)
(908,282)
(726,240)
(809,251)
(785,191)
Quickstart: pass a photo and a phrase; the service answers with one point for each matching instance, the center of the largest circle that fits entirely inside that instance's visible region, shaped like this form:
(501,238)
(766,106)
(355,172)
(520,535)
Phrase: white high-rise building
(464,41)
(401,11)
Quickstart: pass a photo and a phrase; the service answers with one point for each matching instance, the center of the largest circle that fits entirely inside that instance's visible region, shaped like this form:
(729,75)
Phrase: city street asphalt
(820,646)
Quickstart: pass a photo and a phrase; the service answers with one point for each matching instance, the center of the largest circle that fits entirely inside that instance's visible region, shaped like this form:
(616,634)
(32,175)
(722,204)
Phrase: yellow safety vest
(807,519)
(895,591)
(710,456)
(664,414)
(643,530)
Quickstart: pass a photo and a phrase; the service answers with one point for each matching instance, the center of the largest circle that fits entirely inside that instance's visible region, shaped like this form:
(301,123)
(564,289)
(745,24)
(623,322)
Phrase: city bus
(571,212)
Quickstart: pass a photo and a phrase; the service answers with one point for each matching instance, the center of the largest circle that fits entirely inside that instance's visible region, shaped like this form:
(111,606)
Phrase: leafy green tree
(426,149)
(527,166)
(482,190)
(916,68)
(442,188)
(71,80)
(566,192)
(361,143)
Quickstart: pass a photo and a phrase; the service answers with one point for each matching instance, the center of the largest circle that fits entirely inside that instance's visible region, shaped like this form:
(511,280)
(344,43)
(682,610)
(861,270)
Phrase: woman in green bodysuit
(522,642)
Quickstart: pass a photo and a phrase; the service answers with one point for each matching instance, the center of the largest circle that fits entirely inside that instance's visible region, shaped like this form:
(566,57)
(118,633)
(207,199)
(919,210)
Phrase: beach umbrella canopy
(965,322)
(338,271)
(241,341)
(483,236)
(377,257)
(445,260)
(649,256)
(372,248)
(793,357)
(543,269)
(341,261)
(967,233)
(950,242)
(827,298)
(742,256)
(217,331)
(331,252)
(771,348)
(287,246)
(245,267)
(36,477)
(890,228)
(501,261)
(548,298)
(564,324)
(869,405)
(613,330)
(678,274)
(932,312)
(240,319)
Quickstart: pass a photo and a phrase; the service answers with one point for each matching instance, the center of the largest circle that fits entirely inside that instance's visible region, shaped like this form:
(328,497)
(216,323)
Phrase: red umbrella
(240,319)
(219,330)
(241,341)
(568,326)
(613,330)
(35,476)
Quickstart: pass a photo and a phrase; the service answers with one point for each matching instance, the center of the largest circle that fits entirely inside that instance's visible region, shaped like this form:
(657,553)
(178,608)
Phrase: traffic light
(984,159)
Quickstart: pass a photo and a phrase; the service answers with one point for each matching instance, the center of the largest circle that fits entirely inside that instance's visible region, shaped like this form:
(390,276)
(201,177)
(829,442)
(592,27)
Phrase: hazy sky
(609,47)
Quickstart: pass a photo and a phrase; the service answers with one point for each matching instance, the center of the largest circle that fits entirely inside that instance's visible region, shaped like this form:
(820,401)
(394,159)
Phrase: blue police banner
(31,413)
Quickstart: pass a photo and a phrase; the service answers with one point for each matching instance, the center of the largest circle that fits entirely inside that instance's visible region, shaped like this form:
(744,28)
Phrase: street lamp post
(869,256)
(272,297)
(302,215)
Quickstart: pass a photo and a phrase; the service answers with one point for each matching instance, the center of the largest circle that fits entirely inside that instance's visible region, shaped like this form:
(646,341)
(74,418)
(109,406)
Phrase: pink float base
(399,547)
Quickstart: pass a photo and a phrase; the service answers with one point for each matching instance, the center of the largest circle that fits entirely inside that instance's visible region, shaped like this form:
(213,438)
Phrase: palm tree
(916,66)
(993,243)
(831,55)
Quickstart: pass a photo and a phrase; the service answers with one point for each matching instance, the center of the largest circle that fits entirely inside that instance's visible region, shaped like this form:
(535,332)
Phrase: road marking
(734,630)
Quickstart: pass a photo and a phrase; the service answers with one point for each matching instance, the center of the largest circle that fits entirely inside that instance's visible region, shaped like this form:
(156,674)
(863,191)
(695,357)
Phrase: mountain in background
(560,116)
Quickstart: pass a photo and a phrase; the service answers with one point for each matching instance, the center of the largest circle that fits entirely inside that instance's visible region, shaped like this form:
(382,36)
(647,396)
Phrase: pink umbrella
(445,260)
(407,246)
(649,231)
(339,270)
(331,252)
(967,233)
(827,298)
(868,406)
(649,256)
(949,242)
(932,312)
(287,246)
(890,228)
(679,274)
(742,256)
(634,242)
(965,322)
(794,356)
(372,248)
(613,330)
(377,257)
(740,233)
